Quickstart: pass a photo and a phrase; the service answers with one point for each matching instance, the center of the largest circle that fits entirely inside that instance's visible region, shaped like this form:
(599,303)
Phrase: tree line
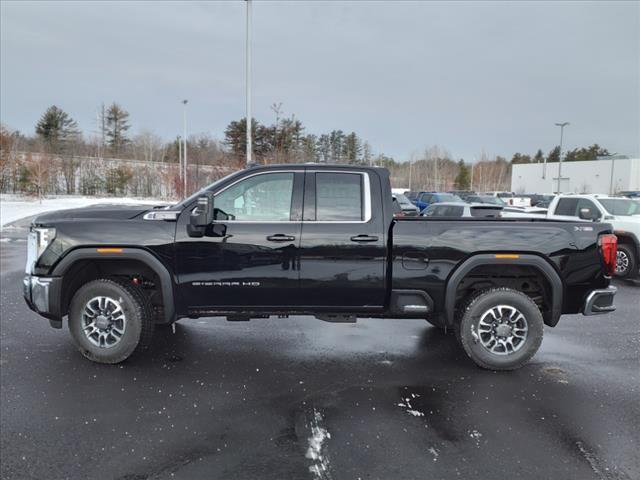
(576,155)
(59,158)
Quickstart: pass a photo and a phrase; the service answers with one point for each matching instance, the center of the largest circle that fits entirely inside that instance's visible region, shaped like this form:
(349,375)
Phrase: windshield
(621,206)
(402,200)
(491,200)
(447,197)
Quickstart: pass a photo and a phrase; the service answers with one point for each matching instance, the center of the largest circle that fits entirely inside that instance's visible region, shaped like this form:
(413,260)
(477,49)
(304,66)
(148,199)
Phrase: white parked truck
(622,213)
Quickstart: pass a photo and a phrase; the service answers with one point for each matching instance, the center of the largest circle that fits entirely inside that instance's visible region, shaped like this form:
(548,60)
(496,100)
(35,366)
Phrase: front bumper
(600,301)
(42,295)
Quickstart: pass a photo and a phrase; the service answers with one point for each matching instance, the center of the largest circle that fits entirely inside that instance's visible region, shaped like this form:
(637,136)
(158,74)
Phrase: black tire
(138,312)
(626,262)
(469,317)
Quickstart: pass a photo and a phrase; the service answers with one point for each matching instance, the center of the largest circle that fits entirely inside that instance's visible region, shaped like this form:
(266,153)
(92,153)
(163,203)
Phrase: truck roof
(315,165)
(586,195)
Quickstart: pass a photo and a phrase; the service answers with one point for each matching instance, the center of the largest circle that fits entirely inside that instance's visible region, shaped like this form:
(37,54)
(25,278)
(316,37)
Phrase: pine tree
(352,148)
(310,153)
(554,155)
(116,126)
(463,179)
(56,128)
(588,153)
(336,138)
(520,158)
(262,139)
(539,157)
(324,148)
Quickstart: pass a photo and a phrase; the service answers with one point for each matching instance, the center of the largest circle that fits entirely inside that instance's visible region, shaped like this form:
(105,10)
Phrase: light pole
(613,166)
(410,171)
(184,149)
(179,156)
(472,166)
(561,125)
(248,82)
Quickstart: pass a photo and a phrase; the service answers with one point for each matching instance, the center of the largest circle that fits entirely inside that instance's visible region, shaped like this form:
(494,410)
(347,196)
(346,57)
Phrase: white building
(610,175)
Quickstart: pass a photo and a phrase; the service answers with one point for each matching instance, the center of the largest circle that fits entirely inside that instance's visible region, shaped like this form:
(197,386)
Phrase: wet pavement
(298,398)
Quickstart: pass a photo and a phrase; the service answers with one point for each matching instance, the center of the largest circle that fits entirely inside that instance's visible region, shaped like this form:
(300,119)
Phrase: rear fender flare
(540,264)
(166,282)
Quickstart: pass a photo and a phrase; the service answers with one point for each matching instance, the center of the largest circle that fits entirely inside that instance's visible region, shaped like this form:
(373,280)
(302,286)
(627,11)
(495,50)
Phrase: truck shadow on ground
(431,348)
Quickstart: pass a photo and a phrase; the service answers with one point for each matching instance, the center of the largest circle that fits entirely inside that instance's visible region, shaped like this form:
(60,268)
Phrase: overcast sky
(466,76)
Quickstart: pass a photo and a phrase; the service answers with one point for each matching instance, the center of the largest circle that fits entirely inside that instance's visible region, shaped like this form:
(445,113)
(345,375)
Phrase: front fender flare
(166,282)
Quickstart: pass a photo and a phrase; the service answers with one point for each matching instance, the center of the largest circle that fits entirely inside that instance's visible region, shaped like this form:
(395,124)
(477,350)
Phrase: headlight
(38,241)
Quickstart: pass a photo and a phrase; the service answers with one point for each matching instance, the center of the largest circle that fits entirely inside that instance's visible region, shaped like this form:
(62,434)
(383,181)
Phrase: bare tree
(40,169)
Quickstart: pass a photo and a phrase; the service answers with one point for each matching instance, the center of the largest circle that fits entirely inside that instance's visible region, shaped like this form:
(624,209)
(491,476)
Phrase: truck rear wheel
(500,328)
(110,319)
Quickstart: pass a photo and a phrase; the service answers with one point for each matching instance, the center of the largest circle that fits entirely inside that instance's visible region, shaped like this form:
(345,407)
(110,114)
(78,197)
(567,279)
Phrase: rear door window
(567,207)
(339,197)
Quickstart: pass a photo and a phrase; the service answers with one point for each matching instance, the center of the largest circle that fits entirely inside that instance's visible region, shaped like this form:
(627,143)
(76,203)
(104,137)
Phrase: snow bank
(14,208)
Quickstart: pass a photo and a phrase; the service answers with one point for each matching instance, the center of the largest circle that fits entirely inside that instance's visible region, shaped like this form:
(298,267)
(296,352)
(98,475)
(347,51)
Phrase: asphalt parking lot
(299,398)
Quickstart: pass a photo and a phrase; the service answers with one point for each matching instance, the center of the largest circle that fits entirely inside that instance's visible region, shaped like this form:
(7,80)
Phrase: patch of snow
(319,434)
(435,453)
(591,458)
(14,208)
(409,409)
(476,435)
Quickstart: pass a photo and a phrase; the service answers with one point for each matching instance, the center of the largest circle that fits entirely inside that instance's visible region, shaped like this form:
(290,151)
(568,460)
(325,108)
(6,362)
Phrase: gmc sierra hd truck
(318,240)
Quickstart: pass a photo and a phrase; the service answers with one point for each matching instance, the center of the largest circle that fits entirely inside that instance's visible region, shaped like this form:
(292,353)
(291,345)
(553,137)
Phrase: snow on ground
(407,406)
(14,208)
(317,448)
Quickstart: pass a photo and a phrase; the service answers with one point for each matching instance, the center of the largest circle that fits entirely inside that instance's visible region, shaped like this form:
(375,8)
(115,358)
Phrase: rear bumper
(600,301)
(42,296)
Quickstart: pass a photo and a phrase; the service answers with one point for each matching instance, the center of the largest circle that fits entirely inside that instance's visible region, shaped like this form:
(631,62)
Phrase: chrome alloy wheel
(103,321)
(502,330)
(622,262)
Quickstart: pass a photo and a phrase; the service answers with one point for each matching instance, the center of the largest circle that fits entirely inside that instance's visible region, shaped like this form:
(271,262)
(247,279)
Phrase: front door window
(261,198)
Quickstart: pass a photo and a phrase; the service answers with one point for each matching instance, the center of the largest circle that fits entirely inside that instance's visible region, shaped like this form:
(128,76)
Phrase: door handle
(280,237)
(364,238)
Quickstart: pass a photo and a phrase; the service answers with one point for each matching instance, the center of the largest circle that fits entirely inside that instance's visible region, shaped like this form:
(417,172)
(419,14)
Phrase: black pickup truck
(312,239)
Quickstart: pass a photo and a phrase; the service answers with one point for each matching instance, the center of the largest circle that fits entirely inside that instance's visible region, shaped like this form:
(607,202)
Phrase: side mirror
(201,216)
(586,214)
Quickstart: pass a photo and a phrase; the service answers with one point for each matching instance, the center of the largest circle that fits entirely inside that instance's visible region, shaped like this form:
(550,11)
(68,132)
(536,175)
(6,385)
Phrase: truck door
(343,249)
(247,258)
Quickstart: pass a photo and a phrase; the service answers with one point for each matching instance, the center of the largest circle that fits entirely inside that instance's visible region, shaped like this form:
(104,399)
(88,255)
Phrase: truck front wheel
(110,319)
(500,328)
